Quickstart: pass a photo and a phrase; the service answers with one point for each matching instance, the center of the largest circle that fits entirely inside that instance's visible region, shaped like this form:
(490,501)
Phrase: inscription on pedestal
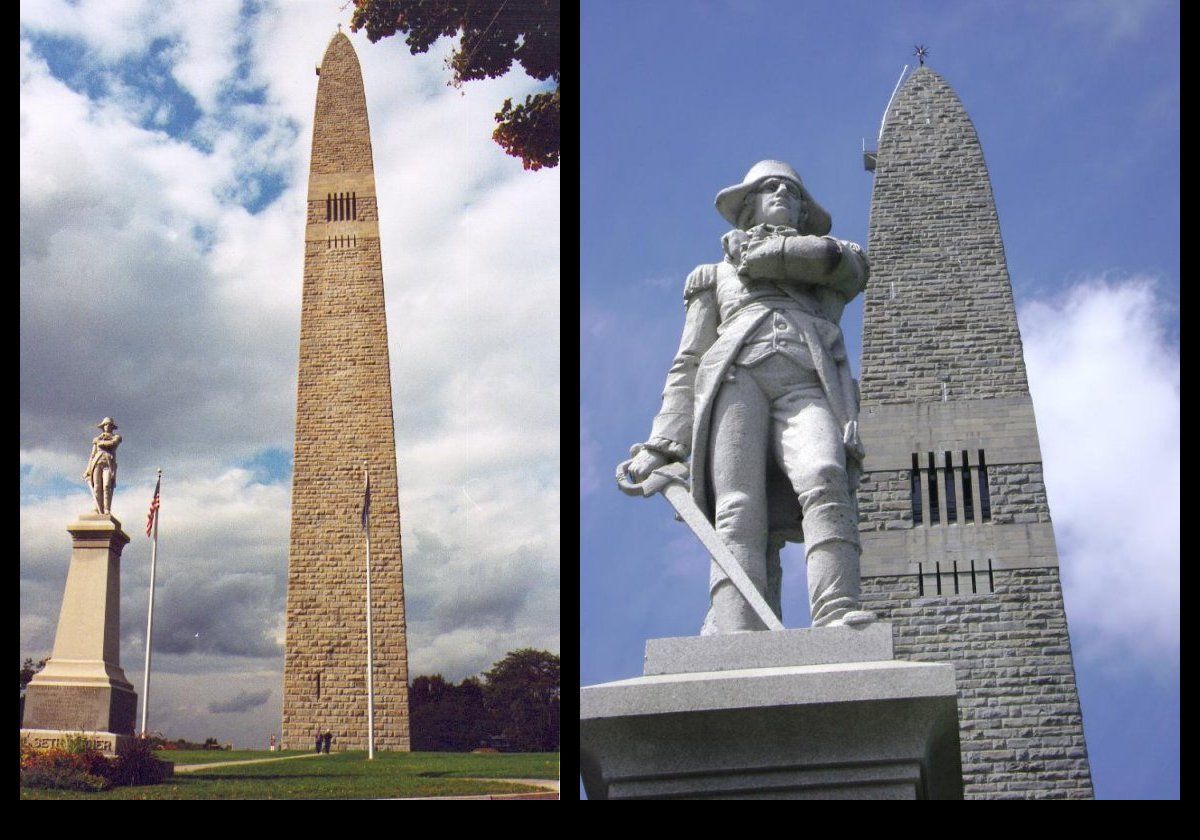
(80,708)
(45,741)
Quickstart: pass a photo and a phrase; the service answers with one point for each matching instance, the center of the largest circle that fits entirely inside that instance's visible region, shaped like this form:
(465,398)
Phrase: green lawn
(338,776)
(210,756)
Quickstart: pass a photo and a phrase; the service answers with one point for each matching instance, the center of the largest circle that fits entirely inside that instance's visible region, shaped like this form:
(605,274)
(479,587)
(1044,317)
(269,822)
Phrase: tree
(494,34)
(28,669)
(446,717)
(522,694)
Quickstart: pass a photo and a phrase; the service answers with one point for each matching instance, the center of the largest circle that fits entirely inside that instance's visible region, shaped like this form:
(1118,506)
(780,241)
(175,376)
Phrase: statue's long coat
(722,313)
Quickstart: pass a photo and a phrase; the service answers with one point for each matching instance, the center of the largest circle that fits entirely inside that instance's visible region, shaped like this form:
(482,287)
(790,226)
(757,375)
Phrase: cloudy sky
(164,155)
(1077,107)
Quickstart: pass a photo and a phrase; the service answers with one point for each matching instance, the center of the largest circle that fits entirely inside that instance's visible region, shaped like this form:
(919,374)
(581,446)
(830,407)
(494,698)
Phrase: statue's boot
(833,584)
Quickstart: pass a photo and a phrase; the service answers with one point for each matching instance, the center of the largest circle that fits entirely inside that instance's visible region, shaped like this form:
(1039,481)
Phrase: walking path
(191,768)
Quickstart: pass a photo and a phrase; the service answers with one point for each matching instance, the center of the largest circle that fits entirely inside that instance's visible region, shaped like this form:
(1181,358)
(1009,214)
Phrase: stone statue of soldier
(761,398)
(101,472)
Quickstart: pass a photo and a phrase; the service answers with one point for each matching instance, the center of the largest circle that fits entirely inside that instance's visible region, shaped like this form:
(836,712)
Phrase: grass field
(211,756)
(337,776)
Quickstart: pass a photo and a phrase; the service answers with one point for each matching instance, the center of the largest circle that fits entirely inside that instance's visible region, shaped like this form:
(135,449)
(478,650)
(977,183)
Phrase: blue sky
(164,157)
(1077,107)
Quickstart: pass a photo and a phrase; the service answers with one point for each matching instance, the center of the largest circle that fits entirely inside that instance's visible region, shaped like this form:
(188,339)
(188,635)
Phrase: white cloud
(1105,381)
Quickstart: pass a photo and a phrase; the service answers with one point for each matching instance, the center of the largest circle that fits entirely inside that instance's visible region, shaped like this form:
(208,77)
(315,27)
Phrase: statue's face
(778,202)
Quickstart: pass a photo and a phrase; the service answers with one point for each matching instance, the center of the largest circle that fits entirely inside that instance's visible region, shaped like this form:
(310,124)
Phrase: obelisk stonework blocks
(343,425)
(958,547)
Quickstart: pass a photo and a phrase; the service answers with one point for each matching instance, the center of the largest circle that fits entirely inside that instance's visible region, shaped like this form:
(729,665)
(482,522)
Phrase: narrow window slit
(985,496)
(968,502)
(991,577)
(938,570)
(934,510)
(353,205)
(915,486)
(329,207)
(974,588)
(920,580)
(955,577)
(951,503)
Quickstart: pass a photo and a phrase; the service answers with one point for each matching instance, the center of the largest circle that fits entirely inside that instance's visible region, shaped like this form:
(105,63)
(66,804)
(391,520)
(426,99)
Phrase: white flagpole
(150,612)
(370,646)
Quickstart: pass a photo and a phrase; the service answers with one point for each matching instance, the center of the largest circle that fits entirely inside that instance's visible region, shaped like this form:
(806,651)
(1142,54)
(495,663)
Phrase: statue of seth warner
(761,398)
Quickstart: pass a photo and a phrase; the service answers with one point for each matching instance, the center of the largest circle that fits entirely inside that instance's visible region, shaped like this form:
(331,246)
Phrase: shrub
(73,766)
(77,766)
(63,778)
(138,766)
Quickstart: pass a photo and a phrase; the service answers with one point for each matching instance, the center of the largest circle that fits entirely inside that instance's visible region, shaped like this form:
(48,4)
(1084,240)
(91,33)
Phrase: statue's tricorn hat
(729,200)
(107,421)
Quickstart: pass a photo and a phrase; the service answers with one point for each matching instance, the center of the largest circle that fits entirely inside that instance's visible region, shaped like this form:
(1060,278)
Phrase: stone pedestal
(819,713)
(82,688)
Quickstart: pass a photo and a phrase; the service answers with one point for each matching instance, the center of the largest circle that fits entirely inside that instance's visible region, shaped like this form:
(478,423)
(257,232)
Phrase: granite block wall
(943,369)
(1020,723)
(344,424)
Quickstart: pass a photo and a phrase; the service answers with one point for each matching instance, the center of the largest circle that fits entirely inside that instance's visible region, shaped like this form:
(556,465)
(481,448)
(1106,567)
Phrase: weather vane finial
(920,52)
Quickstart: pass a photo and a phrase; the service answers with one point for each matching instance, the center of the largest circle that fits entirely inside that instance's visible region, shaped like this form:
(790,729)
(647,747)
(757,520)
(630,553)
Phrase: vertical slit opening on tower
(991,577)
(934,508)
(974,588)
(968,503)
(915,488)
(329,207)
(985,496)
(955,577)
(951,502)
(937,567)
(920,580)
(353,205)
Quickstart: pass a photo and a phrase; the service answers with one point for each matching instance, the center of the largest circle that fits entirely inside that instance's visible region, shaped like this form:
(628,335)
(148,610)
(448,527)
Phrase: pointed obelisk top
(939,306)
(341,133)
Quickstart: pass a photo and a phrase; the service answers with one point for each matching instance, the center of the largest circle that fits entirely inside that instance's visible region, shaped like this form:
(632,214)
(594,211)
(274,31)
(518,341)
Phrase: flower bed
(77,766)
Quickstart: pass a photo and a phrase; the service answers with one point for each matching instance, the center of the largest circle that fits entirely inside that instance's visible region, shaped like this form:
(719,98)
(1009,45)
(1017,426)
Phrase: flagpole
(150,612)
(370,645)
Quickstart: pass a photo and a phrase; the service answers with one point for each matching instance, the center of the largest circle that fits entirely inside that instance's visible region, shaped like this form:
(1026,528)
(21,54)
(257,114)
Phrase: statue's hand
(854,447)
(762,259)
(644,463)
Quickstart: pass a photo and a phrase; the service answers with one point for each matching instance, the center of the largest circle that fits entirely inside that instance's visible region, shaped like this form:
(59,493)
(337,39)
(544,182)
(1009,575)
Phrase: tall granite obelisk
(343,424)
(958,548)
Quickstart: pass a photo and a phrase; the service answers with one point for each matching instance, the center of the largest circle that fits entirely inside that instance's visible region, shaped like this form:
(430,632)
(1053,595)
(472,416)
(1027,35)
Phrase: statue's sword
(672,481)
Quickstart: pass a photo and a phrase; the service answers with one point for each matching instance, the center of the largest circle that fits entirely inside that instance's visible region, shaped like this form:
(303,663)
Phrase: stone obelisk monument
(83,688)
(343,424)
(958,548)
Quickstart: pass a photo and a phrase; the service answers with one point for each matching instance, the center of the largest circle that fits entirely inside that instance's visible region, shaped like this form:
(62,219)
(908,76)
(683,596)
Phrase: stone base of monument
(818,713)
(106,742)
(83,687)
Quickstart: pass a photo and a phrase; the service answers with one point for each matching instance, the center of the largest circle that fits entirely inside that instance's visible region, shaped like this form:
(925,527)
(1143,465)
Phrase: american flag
(366,509)
(153,514)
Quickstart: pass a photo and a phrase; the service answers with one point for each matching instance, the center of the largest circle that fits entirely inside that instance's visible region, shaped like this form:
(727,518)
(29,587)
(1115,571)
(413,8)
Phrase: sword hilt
(655,482)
